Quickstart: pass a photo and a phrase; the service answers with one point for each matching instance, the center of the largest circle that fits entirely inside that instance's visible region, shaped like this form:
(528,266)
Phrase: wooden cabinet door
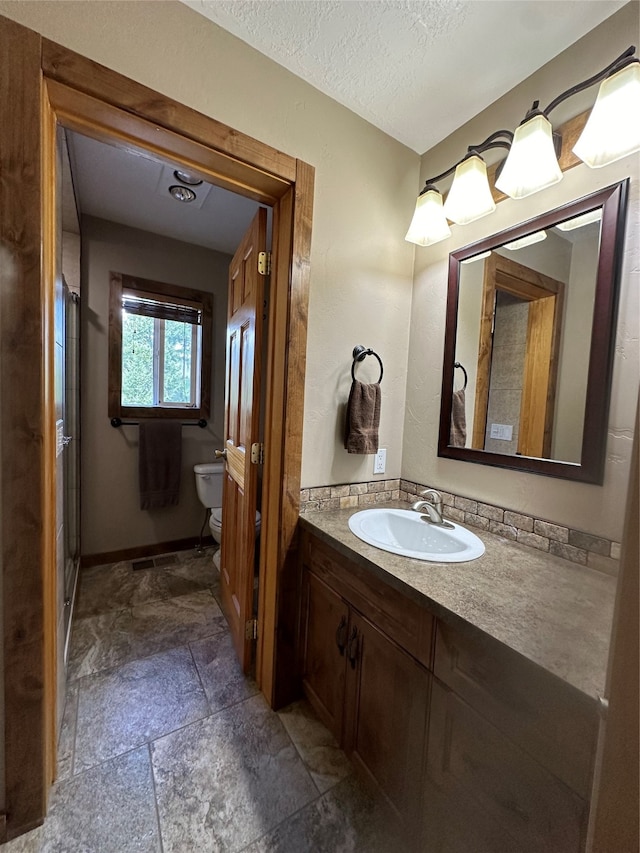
(385,717)
(483,793)
(324,640)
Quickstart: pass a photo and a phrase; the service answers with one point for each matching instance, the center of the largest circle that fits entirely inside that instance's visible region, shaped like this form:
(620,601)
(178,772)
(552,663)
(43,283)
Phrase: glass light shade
(470,196)
(475,258)
(529,240)
(612,130)
(429,224)
(580,221)
(532,164)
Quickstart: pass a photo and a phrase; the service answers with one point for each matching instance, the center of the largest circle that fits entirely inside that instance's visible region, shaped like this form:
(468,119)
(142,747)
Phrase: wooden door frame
(43,84)
(501,273)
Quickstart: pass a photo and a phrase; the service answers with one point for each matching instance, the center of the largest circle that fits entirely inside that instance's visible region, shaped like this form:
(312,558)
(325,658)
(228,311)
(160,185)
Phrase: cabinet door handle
(352,649)
(341,635)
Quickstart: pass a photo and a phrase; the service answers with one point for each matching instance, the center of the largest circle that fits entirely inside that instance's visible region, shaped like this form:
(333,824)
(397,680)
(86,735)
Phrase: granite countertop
(555,613)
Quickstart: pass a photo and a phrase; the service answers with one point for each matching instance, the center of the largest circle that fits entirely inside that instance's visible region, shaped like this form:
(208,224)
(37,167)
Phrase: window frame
(119,282)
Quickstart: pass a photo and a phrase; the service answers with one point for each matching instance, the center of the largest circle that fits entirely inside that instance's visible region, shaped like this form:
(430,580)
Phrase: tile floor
(167,747)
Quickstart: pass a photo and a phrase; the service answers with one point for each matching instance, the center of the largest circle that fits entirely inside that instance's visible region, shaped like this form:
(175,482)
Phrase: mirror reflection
(529,341)
(522,314)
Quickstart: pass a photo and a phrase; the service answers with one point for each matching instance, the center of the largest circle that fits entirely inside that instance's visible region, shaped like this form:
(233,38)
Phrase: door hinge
(264,263)
(257,453)
(251,629)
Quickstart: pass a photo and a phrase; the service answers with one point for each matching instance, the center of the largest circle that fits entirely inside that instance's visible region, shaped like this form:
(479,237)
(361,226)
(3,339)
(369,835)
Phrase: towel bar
(359,354)
(118,422)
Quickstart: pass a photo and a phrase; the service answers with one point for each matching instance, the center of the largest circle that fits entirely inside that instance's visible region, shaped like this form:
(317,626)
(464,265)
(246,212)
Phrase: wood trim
(50,272)
(88,77)
(87,561)
(24,468)
(485,346)
(279,567)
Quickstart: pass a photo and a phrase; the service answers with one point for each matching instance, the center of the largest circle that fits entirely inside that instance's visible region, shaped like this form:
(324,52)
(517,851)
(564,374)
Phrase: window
(159,349)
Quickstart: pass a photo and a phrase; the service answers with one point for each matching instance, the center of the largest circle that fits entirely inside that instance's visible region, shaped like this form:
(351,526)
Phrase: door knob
(67,439)
(220,454)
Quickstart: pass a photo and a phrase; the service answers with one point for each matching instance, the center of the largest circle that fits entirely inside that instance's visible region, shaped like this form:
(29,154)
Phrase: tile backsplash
(596,552)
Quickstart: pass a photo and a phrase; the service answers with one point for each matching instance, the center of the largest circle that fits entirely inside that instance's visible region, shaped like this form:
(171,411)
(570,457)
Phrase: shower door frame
(43,85)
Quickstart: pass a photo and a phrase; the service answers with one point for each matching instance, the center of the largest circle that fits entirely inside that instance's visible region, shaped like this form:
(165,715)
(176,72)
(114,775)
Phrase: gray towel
(159,463)
(363,418)
(458,434)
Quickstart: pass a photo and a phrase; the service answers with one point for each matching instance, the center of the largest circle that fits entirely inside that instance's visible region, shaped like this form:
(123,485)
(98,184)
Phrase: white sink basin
(406,532)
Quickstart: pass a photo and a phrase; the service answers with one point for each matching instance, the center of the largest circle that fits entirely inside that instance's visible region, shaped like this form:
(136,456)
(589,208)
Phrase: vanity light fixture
(529,240)
(611,132)
(182,193)
(475,258)
(470,190)
(187,178)
(579,221)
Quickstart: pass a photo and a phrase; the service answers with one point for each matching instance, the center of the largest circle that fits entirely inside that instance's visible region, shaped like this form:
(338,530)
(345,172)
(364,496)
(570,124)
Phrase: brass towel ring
(359,354)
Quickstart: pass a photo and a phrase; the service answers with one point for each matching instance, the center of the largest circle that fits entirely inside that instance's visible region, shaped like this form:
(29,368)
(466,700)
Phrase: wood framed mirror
(531,316)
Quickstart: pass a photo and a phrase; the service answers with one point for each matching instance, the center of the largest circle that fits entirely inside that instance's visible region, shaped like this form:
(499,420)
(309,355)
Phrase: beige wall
(361,267)
(111,514)
(598,509)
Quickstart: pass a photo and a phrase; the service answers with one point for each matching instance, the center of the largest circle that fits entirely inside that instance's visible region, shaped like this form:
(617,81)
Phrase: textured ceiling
(417,70)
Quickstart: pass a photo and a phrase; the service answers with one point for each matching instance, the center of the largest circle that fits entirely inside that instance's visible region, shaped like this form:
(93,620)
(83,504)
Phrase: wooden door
(387,697)
(242,423)
(324,643)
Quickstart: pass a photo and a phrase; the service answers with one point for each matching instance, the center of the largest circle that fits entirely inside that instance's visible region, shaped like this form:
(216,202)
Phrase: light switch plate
(380,461)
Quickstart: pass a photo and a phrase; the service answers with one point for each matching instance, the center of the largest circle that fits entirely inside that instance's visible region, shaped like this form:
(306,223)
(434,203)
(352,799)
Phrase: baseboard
(152,550)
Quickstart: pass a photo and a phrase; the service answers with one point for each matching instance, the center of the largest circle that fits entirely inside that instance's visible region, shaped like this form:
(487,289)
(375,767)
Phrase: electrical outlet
(380,461)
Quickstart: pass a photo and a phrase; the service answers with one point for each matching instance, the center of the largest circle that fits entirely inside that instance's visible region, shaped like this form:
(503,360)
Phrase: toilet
(209,479)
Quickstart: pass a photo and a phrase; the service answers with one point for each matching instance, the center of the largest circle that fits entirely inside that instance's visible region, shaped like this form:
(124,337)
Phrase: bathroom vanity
(465,694)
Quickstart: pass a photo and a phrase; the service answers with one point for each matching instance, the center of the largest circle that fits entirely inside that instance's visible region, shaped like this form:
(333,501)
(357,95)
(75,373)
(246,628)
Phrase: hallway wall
(111,517)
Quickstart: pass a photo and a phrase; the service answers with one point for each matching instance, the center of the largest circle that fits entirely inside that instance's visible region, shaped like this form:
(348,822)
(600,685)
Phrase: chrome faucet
(432,506)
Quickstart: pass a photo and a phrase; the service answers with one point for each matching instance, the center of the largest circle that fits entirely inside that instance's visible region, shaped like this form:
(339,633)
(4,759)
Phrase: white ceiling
(417,69)
(133,190)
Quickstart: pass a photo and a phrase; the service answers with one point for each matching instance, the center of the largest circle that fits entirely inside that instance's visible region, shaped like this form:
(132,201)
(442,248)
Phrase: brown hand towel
(458,434)
(363,418)
(160,461)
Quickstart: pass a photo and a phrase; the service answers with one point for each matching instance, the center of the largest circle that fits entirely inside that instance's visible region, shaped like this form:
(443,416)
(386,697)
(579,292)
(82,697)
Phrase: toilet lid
(216,515)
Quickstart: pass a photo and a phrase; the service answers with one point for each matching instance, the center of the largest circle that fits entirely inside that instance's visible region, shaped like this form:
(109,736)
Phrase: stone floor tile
(222,678)
(67,738)
(125,707)
(344,820)
(112,639)
(109,809)
(223,782)
(323,758)
(116,587)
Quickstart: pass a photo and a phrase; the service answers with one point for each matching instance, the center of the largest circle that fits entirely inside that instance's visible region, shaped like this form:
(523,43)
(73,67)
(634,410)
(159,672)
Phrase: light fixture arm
(623,60)
(493,141)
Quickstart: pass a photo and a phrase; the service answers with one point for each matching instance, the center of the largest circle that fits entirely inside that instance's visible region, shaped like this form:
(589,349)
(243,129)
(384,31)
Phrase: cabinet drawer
(485,794)
(400,618)
(550,720)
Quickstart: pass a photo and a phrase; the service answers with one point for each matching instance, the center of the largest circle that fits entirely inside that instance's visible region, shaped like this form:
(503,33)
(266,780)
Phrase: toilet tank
(209,478)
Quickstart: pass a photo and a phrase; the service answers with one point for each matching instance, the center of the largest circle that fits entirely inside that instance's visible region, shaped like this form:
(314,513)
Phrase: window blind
(161,307)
